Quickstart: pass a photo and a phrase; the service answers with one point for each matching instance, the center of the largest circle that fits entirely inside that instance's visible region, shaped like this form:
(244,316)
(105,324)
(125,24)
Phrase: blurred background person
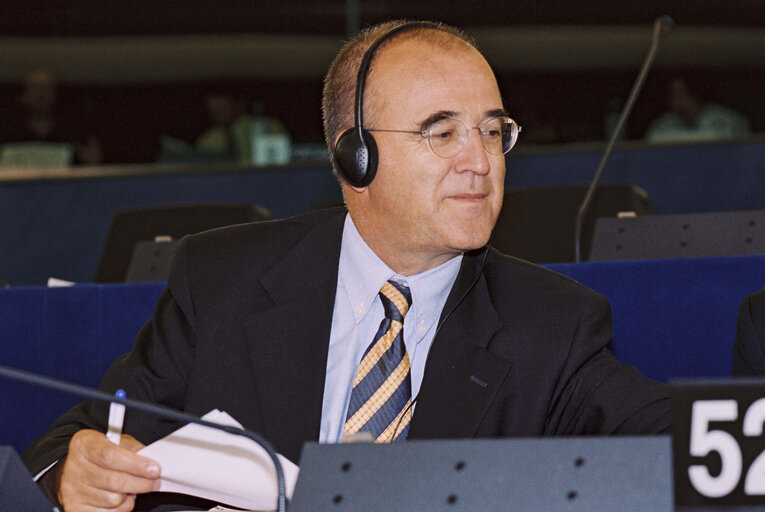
(39,119)
(234,126)
(692,118)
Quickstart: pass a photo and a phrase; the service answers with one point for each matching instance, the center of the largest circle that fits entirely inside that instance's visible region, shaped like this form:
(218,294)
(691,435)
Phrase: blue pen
(116,418)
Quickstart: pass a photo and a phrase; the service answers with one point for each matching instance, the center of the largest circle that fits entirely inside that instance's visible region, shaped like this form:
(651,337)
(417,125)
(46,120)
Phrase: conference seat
(134,228)
(537,223)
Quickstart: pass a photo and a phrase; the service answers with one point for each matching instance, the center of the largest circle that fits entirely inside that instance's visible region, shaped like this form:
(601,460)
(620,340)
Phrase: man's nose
(474,157)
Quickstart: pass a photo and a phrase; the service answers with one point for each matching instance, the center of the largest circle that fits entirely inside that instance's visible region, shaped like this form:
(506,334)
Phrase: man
(40,120)
(749,346)
(232,126)
(692,118)
(270,321)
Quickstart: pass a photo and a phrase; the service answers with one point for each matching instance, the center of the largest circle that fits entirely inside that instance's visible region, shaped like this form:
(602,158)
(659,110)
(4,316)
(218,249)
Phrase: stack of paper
(219,466)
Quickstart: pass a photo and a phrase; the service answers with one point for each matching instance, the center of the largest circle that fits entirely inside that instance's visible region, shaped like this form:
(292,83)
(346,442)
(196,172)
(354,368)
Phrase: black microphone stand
(661,28)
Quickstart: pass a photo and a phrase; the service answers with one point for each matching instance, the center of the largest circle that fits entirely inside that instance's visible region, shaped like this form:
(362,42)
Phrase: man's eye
(442,134)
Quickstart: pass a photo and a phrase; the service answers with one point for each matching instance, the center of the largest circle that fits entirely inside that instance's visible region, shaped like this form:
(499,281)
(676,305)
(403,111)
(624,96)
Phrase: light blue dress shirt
(357,315)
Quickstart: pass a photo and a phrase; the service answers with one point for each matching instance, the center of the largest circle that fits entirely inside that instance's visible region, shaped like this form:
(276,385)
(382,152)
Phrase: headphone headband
(366,61)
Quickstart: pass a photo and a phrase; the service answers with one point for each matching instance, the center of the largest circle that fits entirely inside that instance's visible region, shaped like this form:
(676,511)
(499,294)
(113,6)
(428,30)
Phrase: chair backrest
(129,227)
(151,261)
(537,224)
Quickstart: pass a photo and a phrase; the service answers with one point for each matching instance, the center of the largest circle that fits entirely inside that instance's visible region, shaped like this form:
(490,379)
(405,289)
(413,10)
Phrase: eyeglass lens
(447,137)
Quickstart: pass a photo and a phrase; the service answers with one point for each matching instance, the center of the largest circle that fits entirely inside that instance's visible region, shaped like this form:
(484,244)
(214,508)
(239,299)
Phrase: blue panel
(674,318)
(722,176)
(72,334)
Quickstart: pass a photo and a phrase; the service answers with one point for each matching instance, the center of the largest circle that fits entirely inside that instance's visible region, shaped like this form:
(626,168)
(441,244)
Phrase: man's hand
(98,475)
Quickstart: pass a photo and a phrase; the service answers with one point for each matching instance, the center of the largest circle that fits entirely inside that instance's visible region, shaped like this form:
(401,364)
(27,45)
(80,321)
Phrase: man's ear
(350,189)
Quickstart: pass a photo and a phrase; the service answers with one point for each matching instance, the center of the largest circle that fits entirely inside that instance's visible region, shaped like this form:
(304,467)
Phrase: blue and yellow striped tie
(382,390)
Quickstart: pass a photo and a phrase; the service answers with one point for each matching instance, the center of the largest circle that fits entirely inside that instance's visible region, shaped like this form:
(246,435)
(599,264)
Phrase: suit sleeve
(598,394)
(155,370)
(749,346)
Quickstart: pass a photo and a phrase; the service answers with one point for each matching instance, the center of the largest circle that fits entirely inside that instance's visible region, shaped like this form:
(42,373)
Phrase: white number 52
(703,441)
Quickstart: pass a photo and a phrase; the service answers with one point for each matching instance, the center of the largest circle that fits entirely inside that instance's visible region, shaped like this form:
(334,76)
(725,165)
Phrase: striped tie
(382,390)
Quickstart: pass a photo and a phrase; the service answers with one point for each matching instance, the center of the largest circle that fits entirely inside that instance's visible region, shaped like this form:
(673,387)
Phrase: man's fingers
(99,451)
(131,443)
(85,497)
(99,475)
(120,482)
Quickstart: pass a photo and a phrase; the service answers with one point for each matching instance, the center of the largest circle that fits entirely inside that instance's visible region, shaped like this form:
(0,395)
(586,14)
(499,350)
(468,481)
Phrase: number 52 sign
(718,443)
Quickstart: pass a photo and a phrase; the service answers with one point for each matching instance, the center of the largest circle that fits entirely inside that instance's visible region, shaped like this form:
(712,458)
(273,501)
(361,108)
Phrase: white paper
(219,466)
(54,282)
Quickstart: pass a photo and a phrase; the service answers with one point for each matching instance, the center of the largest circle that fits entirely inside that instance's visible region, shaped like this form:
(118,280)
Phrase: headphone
(355,154)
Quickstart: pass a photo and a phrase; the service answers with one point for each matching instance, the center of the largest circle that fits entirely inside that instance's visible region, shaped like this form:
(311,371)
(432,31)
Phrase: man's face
(39,92)
(421,209)
(221,109)
(681,100)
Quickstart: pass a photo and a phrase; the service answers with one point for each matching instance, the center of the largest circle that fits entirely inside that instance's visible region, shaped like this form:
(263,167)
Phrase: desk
(54,222)
(55,225)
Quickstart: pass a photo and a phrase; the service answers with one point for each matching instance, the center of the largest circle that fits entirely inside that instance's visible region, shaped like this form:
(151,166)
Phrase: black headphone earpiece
(355,154)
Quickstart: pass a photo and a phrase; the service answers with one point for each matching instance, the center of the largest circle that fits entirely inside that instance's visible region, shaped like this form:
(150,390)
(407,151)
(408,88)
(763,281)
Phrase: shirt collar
(363,273)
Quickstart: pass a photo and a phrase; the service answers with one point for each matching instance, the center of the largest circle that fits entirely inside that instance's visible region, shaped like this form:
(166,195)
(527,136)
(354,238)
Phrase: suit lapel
(288,345)
(288,342)
(461,375)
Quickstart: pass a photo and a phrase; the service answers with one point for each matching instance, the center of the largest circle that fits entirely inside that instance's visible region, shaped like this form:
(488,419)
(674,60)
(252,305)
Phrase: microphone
(661,27)
(158,410)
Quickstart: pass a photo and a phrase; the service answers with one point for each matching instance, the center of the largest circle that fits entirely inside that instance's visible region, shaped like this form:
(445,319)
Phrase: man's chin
(471,243)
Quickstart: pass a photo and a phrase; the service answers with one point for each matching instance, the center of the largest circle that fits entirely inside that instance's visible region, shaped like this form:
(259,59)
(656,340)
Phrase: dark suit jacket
(749,347)
(244,327)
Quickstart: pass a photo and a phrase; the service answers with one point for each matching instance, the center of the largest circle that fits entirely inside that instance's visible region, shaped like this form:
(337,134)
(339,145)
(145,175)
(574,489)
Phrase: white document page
(219,466)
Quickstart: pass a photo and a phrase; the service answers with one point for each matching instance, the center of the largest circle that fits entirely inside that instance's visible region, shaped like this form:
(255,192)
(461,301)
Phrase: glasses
(448,136)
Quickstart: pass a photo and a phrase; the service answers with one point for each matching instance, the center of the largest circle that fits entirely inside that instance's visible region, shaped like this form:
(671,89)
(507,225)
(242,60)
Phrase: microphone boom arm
(661,28)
